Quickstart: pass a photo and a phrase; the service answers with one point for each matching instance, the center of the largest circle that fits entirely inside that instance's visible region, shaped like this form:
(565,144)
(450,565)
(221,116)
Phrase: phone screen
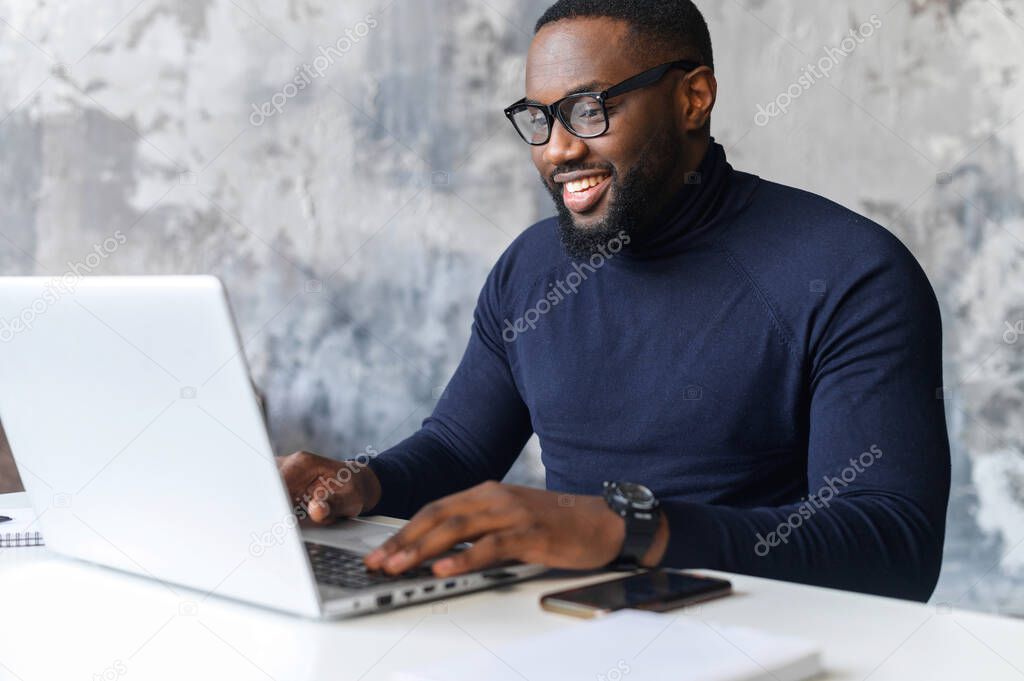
(653,588)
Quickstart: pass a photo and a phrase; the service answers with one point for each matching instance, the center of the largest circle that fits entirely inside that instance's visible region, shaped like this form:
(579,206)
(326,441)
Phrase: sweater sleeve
(878,465)
(476,431)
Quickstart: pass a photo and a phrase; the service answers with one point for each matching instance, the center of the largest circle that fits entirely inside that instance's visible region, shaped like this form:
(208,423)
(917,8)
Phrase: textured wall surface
(346,169)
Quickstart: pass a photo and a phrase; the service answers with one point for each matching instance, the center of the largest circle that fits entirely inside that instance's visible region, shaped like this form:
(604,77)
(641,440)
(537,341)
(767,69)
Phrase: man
(752,368)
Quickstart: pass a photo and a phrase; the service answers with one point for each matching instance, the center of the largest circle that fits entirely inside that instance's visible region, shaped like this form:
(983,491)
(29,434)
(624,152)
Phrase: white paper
(633,645)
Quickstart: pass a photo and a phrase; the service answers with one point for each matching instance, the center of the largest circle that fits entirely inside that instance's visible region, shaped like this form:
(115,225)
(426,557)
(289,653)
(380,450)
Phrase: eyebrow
(592,86)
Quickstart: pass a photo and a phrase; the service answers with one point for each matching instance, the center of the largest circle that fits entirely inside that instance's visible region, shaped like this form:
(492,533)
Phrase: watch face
(636,495)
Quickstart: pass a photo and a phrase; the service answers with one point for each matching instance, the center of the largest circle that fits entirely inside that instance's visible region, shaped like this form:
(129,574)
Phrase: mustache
(569,169)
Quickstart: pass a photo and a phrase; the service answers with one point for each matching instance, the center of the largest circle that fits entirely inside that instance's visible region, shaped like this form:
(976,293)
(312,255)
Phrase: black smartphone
(657,590)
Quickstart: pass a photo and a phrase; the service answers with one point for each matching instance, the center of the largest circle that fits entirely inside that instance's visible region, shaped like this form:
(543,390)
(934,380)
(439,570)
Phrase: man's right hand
(328,489)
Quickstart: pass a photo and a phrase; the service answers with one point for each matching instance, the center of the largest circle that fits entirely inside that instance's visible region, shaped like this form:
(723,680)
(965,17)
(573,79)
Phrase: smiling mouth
(582,195)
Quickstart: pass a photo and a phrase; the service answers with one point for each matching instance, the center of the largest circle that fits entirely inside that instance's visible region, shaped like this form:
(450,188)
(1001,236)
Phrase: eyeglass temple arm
(634,83)
(649,77)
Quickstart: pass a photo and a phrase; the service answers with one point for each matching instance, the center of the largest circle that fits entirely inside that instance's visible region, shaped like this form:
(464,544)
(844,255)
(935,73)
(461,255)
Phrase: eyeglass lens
(583,114)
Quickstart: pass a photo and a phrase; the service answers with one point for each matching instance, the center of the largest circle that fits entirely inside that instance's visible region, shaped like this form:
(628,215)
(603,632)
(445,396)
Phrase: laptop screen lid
(131,417)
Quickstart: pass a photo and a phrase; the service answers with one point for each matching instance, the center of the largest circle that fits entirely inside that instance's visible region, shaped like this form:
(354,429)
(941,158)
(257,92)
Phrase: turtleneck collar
(694,212)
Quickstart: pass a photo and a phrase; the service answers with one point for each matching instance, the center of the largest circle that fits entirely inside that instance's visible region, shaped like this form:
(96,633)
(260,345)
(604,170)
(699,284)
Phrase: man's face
(615,182)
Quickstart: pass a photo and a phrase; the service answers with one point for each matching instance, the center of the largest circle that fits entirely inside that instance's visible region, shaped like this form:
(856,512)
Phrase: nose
(563,146)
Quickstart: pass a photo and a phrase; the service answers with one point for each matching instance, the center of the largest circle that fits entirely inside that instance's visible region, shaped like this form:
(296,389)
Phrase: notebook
(632,645)
(20,530)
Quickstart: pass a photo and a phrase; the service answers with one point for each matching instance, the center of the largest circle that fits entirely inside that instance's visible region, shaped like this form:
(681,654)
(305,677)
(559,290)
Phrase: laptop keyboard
(339,567)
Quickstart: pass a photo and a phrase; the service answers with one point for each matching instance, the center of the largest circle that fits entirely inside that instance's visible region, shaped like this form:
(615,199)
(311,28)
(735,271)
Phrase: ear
(697,92)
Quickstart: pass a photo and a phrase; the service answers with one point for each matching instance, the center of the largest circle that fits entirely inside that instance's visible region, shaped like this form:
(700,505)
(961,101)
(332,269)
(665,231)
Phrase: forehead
(572,52)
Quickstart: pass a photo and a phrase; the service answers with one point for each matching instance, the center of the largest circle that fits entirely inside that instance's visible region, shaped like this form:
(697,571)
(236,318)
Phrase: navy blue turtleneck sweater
(766,361)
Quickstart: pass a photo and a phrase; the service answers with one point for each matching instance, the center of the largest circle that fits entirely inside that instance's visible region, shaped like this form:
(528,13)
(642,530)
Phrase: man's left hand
(505,522)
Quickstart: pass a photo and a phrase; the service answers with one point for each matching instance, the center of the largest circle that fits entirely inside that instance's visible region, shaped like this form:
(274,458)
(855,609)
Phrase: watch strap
(641,527)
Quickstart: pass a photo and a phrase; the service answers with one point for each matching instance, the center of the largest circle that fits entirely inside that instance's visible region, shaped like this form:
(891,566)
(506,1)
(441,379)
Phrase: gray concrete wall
(355,225)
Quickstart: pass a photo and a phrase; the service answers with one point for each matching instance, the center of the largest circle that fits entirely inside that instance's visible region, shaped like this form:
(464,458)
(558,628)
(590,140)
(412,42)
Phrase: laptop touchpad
(356,534)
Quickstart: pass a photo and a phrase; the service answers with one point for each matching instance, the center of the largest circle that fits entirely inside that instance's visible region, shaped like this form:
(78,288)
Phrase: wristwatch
(639,507)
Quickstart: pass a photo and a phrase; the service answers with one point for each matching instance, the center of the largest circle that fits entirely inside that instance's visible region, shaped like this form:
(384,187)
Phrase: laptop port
(408,593)
(450,585)
(428,588)
(383,600)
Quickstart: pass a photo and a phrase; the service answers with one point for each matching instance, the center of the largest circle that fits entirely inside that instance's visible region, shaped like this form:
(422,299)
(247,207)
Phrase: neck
(689,210)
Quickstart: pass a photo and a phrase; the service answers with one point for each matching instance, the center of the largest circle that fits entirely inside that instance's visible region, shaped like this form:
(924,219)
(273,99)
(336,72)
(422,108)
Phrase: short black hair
(675,27)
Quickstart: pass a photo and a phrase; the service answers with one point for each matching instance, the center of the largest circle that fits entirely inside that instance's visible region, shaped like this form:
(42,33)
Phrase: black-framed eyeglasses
(584,114)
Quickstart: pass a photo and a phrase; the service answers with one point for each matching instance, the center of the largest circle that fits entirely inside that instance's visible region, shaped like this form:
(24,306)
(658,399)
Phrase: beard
(631,200)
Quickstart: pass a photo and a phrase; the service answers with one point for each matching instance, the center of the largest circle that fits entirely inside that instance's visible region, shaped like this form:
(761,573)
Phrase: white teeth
(577,186)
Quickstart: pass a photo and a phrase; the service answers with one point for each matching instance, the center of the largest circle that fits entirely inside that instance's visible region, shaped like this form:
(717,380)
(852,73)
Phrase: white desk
(62,619)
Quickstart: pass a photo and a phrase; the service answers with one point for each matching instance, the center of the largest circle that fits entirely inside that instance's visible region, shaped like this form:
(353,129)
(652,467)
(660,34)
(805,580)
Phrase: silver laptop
(132,418)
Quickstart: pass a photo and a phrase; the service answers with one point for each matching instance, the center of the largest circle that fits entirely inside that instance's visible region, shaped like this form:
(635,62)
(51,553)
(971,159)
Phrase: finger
(428,517)
(326,502)
(488,550)
(455,529)
(319,508)
(425,519)
(298,472)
